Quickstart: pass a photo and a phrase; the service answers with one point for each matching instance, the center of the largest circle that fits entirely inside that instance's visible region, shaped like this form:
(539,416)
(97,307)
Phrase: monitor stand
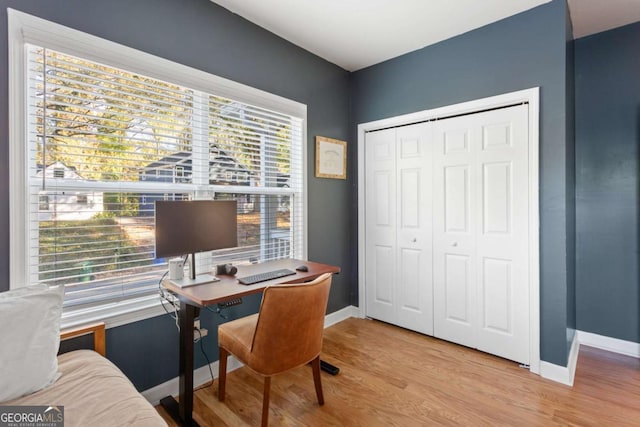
(199,280)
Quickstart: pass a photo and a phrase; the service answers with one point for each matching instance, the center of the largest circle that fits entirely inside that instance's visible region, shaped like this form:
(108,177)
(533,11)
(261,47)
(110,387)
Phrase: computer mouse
(302,268)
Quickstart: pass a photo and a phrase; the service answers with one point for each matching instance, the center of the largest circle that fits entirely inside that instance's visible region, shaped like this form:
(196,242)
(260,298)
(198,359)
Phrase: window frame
(23,29)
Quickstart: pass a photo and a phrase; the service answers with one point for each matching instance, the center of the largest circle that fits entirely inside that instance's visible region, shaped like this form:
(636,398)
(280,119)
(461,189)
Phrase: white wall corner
(615,345)
(563,374)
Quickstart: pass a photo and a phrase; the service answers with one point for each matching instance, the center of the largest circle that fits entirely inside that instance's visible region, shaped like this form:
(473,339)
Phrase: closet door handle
(414,240)
(454,244)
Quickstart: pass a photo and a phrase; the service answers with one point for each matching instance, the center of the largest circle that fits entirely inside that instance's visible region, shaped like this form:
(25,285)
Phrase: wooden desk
(194,297)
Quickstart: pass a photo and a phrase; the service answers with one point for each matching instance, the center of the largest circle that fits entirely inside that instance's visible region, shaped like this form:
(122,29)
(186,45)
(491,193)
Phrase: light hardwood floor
(393,377)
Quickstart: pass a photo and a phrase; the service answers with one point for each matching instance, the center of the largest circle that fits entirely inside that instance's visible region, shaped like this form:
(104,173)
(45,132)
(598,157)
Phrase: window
(117,137)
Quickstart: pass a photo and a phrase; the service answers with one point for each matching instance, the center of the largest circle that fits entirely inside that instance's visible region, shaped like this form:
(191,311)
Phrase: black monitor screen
(187,227)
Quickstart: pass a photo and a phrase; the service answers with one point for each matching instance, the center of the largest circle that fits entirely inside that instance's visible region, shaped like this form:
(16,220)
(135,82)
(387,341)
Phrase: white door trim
(530,96)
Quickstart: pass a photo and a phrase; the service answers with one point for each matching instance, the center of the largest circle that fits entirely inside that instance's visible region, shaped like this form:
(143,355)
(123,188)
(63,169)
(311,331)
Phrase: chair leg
(222,373)
(265,401)
(315,366)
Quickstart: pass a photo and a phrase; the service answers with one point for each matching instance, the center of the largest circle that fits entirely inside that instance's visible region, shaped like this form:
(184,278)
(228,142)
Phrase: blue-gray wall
(203,35)
(607,187)
(516,53)
(527,50)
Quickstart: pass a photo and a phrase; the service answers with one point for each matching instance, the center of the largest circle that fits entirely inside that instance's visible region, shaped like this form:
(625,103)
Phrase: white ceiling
(355,34)
(594,16)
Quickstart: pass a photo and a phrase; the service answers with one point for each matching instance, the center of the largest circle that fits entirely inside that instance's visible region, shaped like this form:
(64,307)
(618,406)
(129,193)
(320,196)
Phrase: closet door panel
(496,294)
(458,289)
(380,225)
(456,199)
(454,226)
(414,237)
(502,241)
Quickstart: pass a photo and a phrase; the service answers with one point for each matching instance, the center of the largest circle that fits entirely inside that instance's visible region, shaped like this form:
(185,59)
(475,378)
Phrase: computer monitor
(188,227)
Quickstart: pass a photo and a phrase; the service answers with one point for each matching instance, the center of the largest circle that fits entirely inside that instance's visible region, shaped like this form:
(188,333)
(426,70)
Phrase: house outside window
(179,174)
(132,139)
(43,202)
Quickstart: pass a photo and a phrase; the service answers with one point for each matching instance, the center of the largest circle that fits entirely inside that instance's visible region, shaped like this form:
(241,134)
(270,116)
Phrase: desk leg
(182,412)
(186,321)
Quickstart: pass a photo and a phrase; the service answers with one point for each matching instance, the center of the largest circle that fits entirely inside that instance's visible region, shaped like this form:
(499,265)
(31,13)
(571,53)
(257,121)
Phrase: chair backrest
(290,325)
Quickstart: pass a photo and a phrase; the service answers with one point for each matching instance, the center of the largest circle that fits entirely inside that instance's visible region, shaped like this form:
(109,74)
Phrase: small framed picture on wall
(331,158)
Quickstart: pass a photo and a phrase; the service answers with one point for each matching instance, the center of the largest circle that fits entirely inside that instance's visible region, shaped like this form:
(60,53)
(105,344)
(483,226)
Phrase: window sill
(115,314)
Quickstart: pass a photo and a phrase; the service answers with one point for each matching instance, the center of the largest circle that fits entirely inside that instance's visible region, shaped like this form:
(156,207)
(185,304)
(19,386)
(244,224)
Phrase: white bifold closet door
(398,223)
(480,231)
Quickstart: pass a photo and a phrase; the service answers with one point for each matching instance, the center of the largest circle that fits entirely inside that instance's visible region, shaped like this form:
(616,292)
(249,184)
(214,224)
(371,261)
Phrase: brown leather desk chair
(285,334)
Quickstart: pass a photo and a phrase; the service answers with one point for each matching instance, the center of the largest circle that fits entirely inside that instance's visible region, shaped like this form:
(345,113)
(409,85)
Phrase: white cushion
(30,331)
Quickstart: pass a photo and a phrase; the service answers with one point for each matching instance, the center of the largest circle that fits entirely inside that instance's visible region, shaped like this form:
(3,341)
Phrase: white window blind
(104,144)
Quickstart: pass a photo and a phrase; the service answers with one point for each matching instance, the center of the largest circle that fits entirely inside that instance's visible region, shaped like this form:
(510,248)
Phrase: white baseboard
(563,374)
(340,315)
(202,374)
(615,345)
